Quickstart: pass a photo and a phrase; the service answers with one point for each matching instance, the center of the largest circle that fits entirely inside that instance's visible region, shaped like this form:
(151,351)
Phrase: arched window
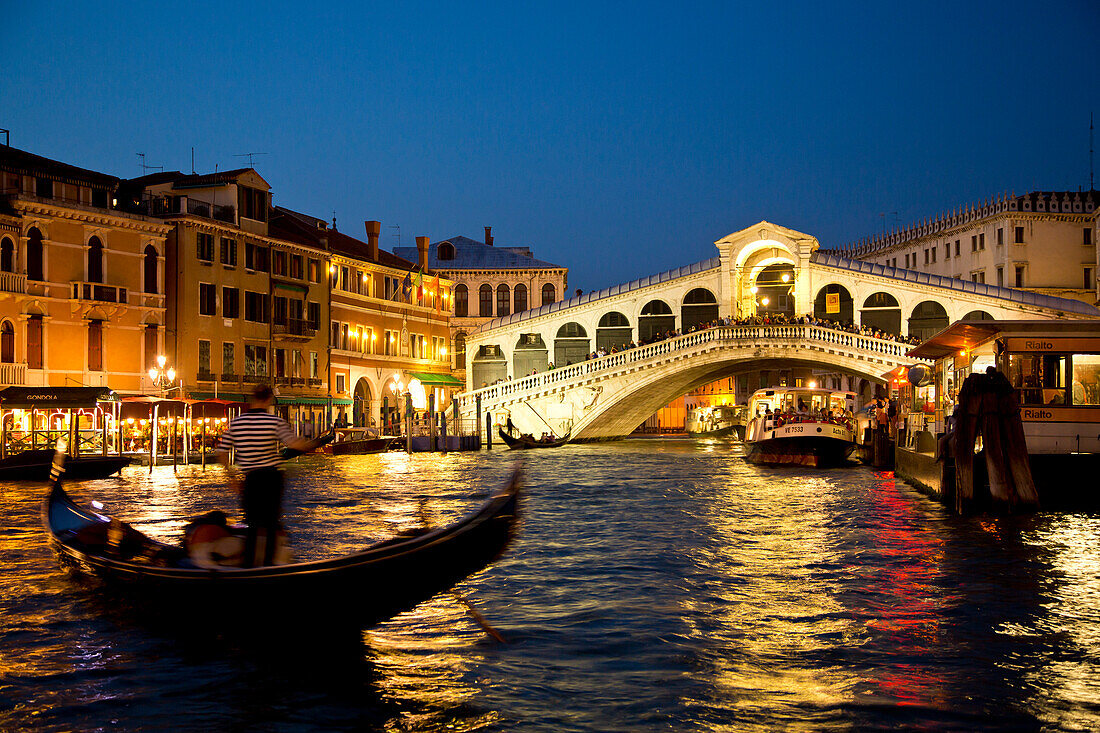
(7,255)
(519,297)
(445,251)
(462,300)
(503,296)
(613,331)
(460,350)
(7,343)
(699,307)
(34,254)
(485,300)
(95,260)
(150,272)
(549,295)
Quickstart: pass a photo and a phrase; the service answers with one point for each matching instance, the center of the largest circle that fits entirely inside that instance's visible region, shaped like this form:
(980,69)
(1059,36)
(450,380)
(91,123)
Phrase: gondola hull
(34,465)
(361,589)
(360,447)
(525,444)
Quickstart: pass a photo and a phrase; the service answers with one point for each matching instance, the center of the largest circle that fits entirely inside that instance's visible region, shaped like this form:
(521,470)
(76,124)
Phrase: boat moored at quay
(800,426)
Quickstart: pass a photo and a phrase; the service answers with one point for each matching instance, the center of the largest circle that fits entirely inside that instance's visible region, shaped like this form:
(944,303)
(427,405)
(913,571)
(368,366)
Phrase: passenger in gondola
(255,436)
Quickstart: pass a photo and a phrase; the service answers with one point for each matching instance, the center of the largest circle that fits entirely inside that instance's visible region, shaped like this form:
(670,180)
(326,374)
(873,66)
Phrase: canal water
(657,585)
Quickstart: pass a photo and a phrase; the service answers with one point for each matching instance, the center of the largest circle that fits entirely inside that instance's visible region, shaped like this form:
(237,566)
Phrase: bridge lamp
(786,277)
(764,301)
(754,290)
(812,384)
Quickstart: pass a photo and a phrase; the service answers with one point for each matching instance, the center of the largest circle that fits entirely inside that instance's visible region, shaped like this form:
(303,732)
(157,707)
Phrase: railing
(204,377)
(294,327)
(796,334)
(98,292)
(254,378)
(314,381)
(13,282)
(13,374)
(230,379)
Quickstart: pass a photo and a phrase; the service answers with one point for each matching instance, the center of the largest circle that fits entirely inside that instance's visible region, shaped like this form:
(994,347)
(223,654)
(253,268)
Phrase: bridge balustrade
(798,333)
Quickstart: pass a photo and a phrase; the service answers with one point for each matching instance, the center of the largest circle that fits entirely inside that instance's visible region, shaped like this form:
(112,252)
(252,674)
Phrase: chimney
(422,251)
(374,228)
(489,236)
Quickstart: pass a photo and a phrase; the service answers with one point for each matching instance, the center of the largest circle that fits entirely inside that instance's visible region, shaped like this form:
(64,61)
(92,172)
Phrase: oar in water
(472,612)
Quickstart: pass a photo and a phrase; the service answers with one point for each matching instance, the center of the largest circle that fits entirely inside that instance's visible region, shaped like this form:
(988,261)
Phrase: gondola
(34,465)
(523,443)
(360,589)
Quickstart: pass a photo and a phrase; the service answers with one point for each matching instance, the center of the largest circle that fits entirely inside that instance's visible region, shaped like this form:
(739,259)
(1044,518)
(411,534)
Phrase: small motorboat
(34,465)
(524,442)
(358,441)
(360,589)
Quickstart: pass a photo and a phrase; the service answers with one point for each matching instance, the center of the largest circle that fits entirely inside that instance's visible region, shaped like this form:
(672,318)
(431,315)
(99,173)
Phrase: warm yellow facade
(386,339)
(81,284)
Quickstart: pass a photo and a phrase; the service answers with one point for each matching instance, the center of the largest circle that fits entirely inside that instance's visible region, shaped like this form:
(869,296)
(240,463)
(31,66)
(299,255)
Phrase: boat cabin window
(1041,378)
(1085,384)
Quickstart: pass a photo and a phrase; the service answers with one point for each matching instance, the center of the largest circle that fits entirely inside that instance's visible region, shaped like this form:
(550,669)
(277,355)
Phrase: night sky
(617,140)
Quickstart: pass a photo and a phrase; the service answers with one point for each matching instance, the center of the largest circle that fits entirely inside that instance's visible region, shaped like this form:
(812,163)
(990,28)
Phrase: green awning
(294,400)
(289,286)
(231,396)
(44,398)
(438,380)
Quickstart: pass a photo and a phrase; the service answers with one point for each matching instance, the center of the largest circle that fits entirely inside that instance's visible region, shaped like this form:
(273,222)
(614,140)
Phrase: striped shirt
(256,435)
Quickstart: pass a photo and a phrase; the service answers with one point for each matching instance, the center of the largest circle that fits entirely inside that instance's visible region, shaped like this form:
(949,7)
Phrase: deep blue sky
(618,140)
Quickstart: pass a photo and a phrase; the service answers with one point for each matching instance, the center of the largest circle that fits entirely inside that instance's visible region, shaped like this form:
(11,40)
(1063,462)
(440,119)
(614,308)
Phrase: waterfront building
(1042,241)
(389,327)
(82,282)
(490,282)
(245,304)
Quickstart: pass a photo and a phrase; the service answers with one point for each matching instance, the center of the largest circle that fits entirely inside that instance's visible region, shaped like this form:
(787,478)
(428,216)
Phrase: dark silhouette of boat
(34,465)
(524,441)
(360,589)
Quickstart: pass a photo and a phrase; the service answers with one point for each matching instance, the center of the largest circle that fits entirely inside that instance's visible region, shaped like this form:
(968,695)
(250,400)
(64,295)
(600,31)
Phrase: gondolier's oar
(472,612)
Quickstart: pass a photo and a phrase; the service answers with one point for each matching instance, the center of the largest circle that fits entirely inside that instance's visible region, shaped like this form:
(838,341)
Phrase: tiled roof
(24,163)
(473,255)
(966,286)
(191,180)
(642,282)
(305,229)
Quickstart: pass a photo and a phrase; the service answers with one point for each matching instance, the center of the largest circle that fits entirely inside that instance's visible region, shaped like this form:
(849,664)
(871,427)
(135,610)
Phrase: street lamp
(162,378)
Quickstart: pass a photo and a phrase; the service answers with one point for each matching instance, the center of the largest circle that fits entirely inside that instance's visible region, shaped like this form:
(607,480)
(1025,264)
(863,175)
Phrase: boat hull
(361,589)
(359,447)
(35,465)
(817,444)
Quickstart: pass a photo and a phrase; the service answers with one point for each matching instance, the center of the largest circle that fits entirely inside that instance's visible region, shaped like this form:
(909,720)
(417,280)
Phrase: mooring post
(443,429)
(489,430)
(408,422)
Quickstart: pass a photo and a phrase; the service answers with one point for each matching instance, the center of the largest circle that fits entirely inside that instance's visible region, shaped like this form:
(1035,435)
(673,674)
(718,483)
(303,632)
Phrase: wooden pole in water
(202,447)
(175,449)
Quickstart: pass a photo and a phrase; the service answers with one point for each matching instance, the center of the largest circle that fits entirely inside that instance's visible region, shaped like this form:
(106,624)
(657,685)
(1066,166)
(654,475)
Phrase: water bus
(707,421)
(800,425)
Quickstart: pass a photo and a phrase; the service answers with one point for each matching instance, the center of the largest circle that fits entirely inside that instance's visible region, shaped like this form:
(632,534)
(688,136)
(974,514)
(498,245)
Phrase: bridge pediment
(764,243)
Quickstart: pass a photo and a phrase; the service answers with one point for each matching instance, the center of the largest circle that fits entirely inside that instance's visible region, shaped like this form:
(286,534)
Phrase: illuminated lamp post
(163,379)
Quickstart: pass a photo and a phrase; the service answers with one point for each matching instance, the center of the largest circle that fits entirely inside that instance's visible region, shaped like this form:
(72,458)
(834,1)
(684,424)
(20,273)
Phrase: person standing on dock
(255,436)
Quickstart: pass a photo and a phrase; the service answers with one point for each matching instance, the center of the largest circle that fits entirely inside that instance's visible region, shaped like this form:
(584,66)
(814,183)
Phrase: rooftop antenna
(883,215)
(146,168)
(334,218)
(7,139)
(249,155)
(1091,186)
(192,160)
(398,235)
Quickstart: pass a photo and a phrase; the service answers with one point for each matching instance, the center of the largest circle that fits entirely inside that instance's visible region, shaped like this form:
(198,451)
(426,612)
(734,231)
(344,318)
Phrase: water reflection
(657,585)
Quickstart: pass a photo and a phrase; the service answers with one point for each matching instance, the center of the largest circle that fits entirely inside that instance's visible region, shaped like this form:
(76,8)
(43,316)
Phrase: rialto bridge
(760,270)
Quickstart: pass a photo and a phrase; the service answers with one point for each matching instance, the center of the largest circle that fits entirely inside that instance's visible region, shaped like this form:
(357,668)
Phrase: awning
(289,286)
(221,397)
(438,380)
(44,398)
(294,400)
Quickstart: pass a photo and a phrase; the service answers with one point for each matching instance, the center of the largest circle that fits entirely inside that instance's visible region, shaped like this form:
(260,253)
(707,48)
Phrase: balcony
(13,282)
(255,378)
(282,381)
(294,329)
(204,377)
(98,293)
(314,381)
(230,379)
(13,374)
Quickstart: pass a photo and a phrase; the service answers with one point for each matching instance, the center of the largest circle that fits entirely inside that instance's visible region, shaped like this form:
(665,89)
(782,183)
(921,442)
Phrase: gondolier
(255,436)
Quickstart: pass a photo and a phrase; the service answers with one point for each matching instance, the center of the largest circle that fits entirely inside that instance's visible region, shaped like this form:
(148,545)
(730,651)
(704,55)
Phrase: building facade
(247,304)
(1043,241)
(489,282)
(82,283)
(388,331)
